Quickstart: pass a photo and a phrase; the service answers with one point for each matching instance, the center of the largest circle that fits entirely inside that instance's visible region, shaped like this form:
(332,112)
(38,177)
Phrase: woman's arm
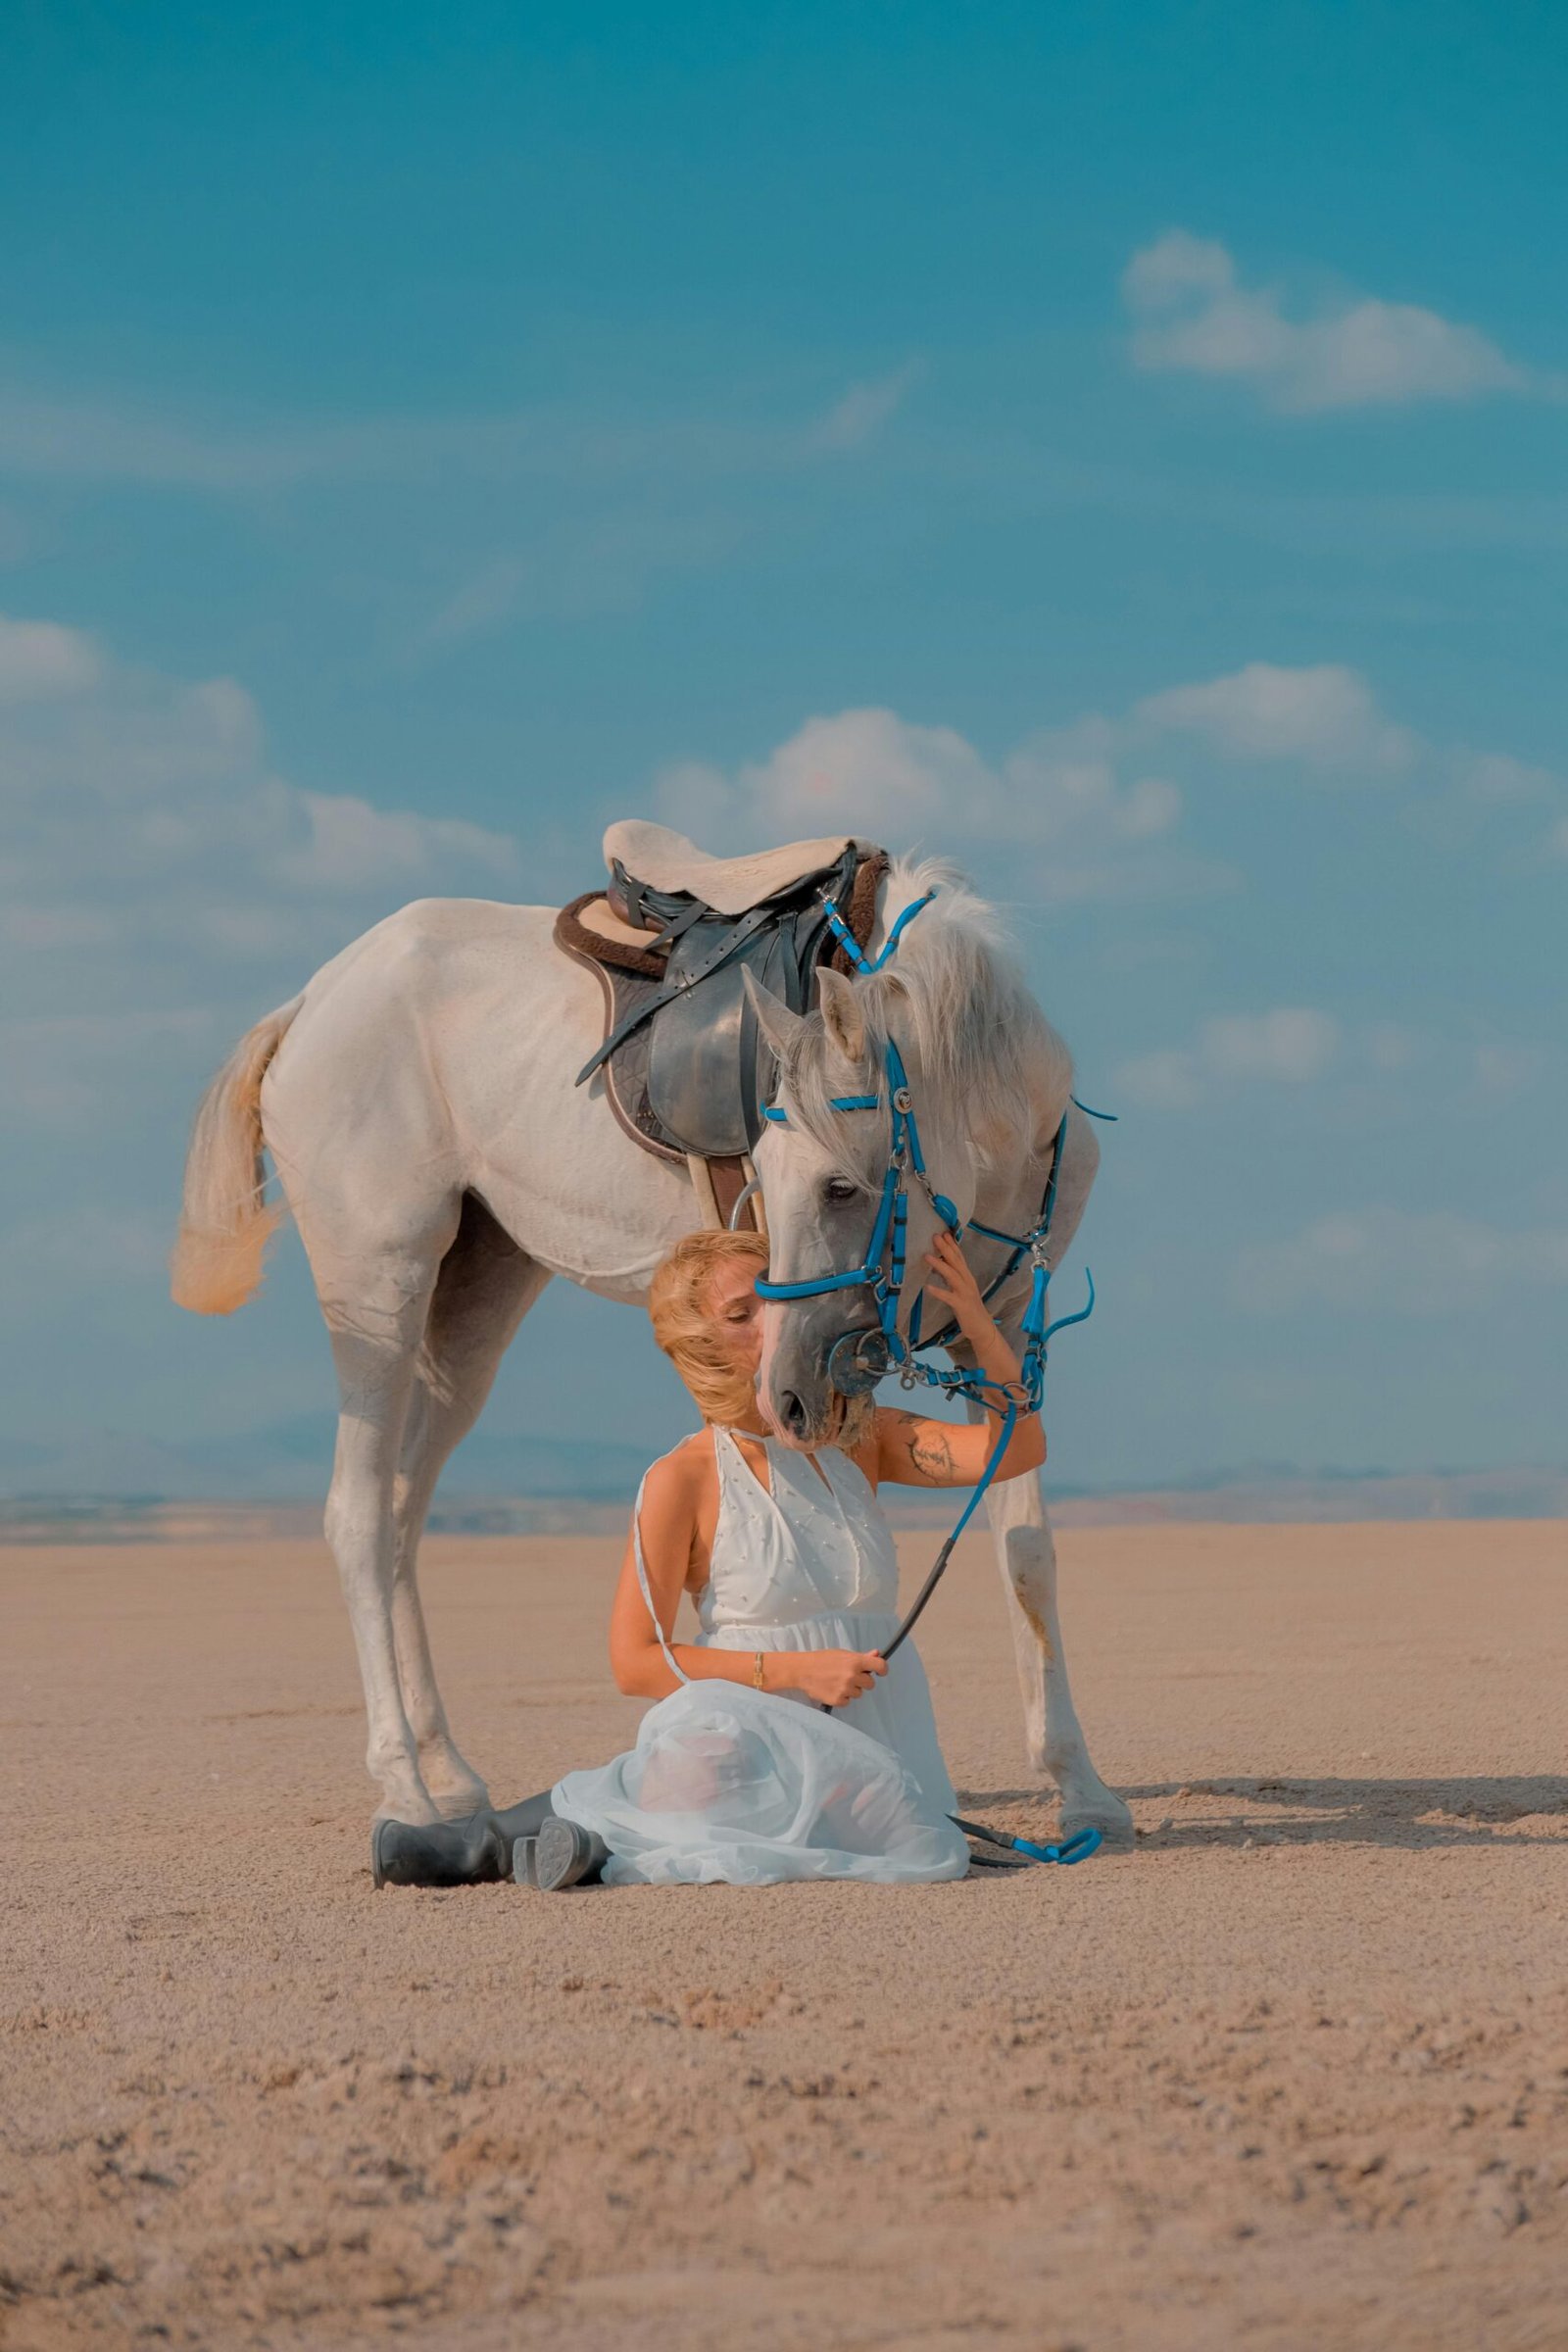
(913,1450)
(637,1660)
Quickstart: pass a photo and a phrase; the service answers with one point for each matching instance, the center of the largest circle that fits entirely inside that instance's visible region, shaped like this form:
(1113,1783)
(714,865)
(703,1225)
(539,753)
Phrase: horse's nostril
(792,1413)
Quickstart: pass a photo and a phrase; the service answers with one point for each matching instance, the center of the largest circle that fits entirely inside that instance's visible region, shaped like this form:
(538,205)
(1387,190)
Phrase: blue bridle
(850,1368)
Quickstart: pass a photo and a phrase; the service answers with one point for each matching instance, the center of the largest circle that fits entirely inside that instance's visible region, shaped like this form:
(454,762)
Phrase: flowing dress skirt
(755,1786)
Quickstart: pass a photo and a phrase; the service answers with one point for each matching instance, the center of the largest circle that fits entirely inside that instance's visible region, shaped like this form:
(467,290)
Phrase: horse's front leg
(1055,1741)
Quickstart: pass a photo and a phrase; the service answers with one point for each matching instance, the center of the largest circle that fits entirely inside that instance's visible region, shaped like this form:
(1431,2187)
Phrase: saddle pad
(666,860)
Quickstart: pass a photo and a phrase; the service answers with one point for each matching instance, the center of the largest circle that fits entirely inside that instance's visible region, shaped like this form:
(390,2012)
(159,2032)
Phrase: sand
(1291,2074)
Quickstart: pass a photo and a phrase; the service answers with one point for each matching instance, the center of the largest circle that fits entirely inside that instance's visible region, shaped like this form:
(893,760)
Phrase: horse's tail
(224,1223)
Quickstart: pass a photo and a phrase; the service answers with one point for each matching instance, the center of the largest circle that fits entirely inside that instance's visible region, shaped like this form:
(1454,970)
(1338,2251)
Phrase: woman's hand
(832,1677)
(913,1450)
(948,1276)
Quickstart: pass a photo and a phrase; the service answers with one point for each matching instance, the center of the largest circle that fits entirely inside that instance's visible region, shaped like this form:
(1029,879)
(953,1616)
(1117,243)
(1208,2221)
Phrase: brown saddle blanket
(689,1070)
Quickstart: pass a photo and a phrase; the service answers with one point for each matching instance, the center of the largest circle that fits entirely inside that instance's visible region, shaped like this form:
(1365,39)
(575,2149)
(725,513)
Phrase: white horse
(419,1103)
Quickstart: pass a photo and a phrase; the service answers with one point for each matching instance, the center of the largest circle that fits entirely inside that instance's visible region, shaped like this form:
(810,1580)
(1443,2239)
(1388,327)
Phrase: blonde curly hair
(679,1303)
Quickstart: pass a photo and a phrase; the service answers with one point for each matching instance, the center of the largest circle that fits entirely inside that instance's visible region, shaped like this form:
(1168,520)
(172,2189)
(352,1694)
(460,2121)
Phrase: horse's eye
(837,1190)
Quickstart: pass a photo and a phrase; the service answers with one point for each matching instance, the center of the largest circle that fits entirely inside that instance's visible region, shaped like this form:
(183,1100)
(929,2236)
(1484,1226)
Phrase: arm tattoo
(931,1453)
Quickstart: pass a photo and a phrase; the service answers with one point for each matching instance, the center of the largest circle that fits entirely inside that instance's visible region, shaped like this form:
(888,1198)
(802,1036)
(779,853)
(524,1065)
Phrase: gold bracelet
(758,1682)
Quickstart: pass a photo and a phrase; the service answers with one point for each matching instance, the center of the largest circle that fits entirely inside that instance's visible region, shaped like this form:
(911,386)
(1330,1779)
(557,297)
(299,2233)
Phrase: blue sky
(1122,449)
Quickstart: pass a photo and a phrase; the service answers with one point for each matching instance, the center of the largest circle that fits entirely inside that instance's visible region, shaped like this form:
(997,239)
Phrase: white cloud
(1295,1046)
(866,409)
(1191,313)
(1496,776)
(1501,784)
(73,1248)
(68,439)
(71,438)
(1324,721)
(1417,1264)
(41,660)
(353,847)
(1291,1046)
(148,851)
(1172,1080)
(1327,716)
(1174,269)
(58,1071)
(868,767)
(1523,806)
(121,780)
(1506,1067)
(1060,798)
(580,564)
(488,597)
(1095,821)
(36,928)
(1391,1047)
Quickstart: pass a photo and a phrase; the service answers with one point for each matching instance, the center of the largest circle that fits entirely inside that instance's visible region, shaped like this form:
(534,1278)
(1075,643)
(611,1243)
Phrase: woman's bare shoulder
(684,1474)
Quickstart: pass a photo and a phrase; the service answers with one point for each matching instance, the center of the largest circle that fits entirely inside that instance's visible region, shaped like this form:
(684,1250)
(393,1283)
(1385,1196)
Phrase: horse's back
(376,1021)
(428,934)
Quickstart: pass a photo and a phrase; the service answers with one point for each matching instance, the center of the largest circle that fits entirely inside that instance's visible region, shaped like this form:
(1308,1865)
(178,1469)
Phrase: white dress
(730,1783)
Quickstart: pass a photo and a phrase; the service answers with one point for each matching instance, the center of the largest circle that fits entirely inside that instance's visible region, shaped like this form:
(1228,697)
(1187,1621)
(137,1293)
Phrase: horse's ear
(778,1024)
(842,1016)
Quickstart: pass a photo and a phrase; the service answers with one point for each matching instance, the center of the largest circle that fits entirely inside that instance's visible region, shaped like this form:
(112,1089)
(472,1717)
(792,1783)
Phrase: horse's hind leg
(485,1286)
(375,1305)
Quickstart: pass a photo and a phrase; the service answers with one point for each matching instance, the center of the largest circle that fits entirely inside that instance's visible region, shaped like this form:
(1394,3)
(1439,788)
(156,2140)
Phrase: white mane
(955,997)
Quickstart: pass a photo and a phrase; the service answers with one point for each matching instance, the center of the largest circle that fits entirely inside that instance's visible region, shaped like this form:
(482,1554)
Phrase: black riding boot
(475,1852)
(564,1855)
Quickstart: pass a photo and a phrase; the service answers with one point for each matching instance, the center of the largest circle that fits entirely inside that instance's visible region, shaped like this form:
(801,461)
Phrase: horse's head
(822,1171)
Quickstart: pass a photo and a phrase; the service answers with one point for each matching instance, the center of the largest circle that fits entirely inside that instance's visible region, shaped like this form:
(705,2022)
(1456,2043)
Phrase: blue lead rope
(1076,1848)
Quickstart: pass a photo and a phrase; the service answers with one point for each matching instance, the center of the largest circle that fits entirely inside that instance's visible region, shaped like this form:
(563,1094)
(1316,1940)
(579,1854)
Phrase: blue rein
(850,1368)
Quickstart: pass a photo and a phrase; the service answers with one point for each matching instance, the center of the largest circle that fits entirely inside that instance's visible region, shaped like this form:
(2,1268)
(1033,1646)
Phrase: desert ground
(1294,2073)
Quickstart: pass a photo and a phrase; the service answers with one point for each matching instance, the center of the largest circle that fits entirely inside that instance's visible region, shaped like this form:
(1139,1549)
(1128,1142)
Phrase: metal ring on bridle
(856,1362)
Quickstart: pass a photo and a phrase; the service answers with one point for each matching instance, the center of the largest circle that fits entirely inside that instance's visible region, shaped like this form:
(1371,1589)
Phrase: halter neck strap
(670,1659)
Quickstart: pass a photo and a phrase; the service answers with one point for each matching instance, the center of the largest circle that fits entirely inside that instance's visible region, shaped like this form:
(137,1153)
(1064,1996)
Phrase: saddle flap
(703,1073)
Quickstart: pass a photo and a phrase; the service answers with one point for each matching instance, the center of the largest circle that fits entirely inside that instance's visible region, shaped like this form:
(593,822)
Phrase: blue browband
(860,1358)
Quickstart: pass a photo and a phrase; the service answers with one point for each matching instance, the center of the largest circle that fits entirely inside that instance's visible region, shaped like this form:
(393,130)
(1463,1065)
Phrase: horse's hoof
(1112,1819)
